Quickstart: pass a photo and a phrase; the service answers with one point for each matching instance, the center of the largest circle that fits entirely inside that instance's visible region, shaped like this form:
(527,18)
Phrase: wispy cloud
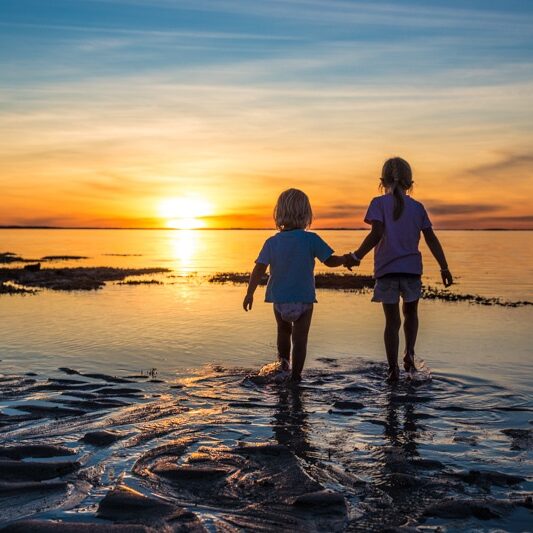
(118,30)
(506,163)
(451,209)
(236,100)
(344,12)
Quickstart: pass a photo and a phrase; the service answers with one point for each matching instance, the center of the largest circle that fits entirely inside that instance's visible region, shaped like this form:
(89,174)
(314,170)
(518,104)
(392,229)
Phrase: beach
(132,403)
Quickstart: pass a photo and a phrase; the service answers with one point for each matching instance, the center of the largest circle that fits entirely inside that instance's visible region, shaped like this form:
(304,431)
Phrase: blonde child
(397,221)
(291,254)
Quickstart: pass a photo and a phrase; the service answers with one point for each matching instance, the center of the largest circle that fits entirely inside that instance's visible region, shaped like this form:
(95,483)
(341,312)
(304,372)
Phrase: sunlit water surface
(480,358)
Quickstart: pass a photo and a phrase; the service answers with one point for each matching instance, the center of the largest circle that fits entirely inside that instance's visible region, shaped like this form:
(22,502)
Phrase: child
(291,286)
(397,221)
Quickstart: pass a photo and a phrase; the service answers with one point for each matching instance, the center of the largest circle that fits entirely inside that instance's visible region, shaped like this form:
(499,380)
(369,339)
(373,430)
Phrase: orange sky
(103,121)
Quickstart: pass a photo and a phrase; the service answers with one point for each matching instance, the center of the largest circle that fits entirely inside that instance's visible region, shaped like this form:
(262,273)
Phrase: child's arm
(335,261)
(438,253)
(371,240)
(255,277)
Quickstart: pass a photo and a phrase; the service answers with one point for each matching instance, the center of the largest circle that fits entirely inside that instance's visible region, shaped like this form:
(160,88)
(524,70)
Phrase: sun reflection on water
(184,247)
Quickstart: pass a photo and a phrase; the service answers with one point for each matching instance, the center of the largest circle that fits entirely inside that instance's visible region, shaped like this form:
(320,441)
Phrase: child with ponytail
(397,221)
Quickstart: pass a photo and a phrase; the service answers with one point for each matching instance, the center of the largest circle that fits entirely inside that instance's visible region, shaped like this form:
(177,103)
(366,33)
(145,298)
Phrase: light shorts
(388,290)
(291,312)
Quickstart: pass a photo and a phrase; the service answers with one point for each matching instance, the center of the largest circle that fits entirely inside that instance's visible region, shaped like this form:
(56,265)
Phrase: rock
(35,471)
(464,508)
(49,526)
(342,412)
(102,437)
(485,478)
(346,404)
(125,504)
(28,486)
(320,499)
(34,450)
(354,387)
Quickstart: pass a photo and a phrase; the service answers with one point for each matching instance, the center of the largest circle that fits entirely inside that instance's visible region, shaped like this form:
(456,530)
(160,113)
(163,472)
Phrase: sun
(184,212)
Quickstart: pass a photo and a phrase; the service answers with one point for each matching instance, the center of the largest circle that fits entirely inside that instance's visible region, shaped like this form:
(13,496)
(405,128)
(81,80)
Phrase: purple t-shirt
(397,252)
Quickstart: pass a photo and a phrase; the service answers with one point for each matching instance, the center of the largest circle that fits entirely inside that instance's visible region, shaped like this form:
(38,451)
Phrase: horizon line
(340,228)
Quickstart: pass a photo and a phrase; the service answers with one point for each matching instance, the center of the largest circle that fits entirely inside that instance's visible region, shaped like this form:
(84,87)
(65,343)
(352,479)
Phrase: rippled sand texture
(218,451)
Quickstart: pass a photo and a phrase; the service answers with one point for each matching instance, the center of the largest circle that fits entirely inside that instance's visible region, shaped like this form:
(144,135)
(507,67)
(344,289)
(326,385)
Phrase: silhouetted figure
(291,254)
(397,221)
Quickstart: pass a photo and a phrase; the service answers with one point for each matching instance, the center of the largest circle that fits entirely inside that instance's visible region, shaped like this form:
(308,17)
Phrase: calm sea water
(480,358)
(490,263)
(187,322)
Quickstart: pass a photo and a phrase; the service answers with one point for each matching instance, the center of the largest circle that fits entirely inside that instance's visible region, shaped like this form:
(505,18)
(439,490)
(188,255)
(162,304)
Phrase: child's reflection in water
(290,424)
(400,433)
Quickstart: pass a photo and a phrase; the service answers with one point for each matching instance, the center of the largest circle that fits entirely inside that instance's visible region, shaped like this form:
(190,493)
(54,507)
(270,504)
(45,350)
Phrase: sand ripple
(222,450)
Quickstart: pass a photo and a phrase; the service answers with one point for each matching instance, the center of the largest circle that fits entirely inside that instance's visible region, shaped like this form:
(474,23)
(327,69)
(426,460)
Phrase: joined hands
(350,261)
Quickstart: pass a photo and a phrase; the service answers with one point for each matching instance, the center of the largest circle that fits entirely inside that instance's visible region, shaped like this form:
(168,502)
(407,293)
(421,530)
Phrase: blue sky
(198,94)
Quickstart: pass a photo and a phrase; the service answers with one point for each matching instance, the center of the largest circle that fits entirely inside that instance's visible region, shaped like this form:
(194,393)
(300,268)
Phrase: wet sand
(219,449)
(25,280)
(357,282)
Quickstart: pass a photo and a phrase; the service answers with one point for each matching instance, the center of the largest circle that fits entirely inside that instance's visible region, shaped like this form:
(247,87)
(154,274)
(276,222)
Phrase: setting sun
(185,212)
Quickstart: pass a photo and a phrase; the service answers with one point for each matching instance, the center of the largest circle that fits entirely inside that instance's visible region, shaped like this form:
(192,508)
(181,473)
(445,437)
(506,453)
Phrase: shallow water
(395,454)
(480,359)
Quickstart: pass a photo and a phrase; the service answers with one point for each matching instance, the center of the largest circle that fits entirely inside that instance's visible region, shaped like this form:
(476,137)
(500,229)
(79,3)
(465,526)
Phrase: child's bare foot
(394,375)
(409,362)
(285,364)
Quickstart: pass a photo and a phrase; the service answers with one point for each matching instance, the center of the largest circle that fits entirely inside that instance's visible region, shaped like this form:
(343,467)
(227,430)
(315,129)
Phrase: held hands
(350,261)
(248,302)
(446,276)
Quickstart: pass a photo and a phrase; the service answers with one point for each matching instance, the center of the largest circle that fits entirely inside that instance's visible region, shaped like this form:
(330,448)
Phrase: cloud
(345,13)
(340,211)
(443,209)
(144,33)
(496,222)
(510,162)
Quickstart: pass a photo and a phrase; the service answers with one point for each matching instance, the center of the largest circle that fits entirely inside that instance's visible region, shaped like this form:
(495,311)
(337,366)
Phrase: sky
(154,113)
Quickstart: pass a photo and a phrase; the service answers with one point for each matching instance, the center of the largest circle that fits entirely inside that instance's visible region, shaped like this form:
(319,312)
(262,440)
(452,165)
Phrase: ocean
(186,350)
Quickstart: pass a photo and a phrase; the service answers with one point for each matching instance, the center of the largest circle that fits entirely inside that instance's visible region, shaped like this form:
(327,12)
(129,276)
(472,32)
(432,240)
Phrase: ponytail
(396,176)
(396,192)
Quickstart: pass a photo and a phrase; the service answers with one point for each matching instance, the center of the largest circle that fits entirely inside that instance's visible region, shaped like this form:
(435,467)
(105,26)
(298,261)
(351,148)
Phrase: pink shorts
(291,312)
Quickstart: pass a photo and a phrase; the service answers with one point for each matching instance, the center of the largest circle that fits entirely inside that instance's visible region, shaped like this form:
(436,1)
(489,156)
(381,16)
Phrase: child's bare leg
(392,338)
(284,341)
(410,328)
(300,332)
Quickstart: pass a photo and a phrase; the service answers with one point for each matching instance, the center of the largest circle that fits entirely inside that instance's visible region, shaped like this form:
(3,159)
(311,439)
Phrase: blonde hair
(397,178)
(293,210)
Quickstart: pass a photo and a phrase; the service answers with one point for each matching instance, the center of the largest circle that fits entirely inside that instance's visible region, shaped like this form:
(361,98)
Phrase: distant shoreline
(235,229)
